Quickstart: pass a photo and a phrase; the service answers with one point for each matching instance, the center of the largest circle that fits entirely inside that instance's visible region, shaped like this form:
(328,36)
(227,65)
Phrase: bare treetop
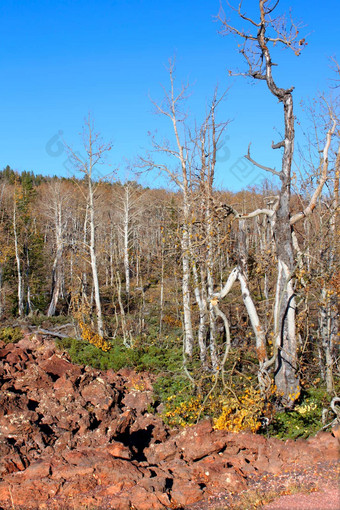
(277,30)
(94,149)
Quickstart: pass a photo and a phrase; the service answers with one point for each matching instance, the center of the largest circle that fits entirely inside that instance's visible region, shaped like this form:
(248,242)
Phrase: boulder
(185,492)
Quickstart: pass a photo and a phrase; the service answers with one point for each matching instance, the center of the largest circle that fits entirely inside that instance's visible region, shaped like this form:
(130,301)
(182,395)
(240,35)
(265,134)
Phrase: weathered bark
(95,150)
(202,308)
(19,271)
(56,277)
(328,310)
(187,322)
(93,255)
(29,307)
(286,377)
(126,240)
(161,297)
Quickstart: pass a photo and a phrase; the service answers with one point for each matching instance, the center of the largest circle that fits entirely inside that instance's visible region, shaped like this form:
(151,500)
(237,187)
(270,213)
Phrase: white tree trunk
(94,260)
(126,239)
(187,323)
(56,279)
(202,307)
(19,272)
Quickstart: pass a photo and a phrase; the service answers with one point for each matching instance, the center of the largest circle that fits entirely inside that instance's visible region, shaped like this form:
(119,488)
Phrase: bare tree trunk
(19,272)
(328,316)
(126,218)
(127,339)
(202,307)
(161,298)
(286,377)
(210,289)
(94,260)
(29,307)
(95,150)
(56,280)
(187,322)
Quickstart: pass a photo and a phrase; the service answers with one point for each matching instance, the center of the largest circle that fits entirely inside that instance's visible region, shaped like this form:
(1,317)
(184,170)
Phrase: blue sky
(60,60)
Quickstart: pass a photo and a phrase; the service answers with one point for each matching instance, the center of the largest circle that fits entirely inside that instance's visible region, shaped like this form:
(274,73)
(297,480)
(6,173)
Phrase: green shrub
(142,357)
(41,320)
(306,418)
(10,335)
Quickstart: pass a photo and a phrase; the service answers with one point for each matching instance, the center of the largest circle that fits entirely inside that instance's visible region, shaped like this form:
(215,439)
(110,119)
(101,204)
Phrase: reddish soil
(315,488)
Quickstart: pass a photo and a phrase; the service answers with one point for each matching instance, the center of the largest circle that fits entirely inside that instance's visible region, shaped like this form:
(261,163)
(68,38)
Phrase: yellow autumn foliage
(241,413)
(184,413)
(93,338)
(80,312)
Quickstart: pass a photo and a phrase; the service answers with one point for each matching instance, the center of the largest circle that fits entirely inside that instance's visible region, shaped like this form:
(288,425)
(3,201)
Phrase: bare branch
(266,168)
(229,28)
(278,145)
(324,176)
(243,16)
(257,212)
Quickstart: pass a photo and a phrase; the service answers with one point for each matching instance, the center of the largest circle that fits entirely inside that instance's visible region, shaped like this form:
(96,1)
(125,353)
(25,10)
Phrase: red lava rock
(156,483)
(336,432)
(56,366)
(268,459)
(11,463)
(6,350)
(118,450)
(16,355)
(120,502)
(35,471)
(199,441)
(5,494)
(98,394)
(142,499)
(185,492)
(162,451)
(122,424)
(152,423)
(139,400)
(328,443)
(63,387)
(68,472)
(116,470)
(73,436)
(216,472)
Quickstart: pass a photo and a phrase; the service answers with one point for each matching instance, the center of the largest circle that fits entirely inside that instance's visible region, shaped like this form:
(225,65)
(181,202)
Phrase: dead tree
(256,45)
(94,152)
(195,158)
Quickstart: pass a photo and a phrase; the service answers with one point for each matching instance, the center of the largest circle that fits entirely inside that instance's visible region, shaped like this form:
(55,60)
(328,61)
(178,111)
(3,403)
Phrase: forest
(229,298)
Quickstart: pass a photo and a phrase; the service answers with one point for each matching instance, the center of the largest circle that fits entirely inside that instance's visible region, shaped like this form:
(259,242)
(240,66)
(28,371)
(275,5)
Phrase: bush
(141,357)
(241,413)
(10,335)
(306,418)
(41,320)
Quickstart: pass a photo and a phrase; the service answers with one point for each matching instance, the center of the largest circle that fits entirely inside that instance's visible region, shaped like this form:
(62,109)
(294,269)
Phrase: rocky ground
(72,437)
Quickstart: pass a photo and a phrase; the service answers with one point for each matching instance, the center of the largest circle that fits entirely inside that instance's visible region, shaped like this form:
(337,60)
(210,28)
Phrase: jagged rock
(76,437)
(56,366)
(197,442)
(162,451)
(138,400)
(185,492)
(118,450)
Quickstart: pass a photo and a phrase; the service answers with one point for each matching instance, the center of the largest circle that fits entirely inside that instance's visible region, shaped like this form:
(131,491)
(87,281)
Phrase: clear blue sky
(61,59)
